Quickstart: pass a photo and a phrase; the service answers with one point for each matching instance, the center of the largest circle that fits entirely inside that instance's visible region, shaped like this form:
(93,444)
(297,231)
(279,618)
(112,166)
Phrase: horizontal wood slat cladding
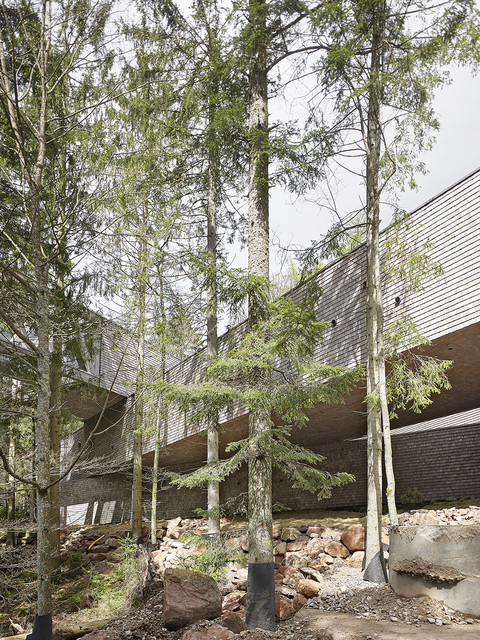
(451,225)
(447,303)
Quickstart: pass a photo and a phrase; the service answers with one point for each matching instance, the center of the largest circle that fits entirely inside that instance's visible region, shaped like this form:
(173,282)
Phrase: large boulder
(314,531)
(294,559)
(354,539)
(299,601)
(299,544)
(189,596)
(233,600)
(331,534)
(315,547)
(174,530)
(233,621)
(289,534)
(356,559)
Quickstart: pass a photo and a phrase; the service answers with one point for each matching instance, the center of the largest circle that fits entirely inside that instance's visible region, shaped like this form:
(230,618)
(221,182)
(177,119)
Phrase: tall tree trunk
(374,564)
(139,390)
(55,424)
(387,440)
(213,491)
(56,370)
(42,421)
(260,607)
(10,488)
(160,413)
(156,458)
(32,511)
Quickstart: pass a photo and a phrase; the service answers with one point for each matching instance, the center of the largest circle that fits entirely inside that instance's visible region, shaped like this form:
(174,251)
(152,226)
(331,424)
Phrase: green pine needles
(271,369)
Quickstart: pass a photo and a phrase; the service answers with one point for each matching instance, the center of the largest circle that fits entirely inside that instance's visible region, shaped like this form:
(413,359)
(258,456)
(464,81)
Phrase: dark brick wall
(441,463)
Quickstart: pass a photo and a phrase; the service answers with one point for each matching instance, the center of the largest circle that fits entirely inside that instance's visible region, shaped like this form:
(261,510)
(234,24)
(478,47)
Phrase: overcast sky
(455,154)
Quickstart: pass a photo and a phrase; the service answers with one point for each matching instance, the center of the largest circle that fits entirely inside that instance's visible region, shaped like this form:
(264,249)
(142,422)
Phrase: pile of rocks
(96,546)
(302,554)
(431,517)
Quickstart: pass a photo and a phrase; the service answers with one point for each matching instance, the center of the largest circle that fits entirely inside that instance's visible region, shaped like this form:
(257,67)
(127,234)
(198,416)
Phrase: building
(436,452)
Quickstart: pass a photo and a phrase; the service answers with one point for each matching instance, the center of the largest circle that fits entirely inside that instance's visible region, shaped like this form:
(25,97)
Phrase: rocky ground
(343,592)
(320,592)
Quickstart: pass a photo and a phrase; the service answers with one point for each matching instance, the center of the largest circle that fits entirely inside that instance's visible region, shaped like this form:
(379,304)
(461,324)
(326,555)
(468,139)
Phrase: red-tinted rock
(189,596)
(97,557)
(283,608)
(308,588)
(112,542)
(315,547)
(100,548)
(299,544)
(299,601)
(233,600)
(233,621)
(291,577)
(174,530)
(315,530)
(331,534)
(337,550)
(215,632)
(354,539)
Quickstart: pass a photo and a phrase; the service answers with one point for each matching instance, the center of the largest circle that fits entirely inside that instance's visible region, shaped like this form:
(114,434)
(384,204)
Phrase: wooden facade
(446,309)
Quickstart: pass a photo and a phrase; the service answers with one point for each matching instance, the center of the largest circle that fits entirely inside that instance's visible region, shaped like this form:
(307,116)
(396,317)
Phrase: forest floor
(346,608)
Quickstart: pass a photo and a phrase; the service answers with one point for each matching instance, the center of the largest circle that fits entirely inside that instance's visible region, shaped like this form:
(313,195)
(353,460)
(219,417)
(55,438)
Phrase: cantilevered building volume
(436,452)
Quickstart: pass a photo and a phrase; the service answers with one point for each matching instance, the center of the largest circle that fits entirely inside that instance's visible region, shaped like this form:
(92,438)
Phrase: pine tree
(47,91)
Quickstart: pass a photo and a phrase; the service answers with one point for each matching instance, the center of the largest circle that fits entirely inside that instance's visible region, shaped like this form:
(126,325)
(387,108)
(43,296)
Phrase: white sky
(455,154)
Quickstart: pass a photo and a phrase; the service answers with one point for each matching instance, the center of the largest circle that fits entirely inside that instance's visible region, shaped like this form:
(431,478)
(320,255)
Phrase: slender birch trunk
(160,416)
(374,570)
(260,607)
(139,404)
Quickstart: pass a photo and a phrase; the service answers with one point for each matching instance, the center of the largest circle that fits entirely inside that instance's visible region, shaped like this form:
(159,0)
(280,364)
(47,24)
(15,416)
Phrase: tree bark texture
(55,436)
(260,606)
(10,485)
(374,314)
(139,404)
(213,490)
(160,412)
